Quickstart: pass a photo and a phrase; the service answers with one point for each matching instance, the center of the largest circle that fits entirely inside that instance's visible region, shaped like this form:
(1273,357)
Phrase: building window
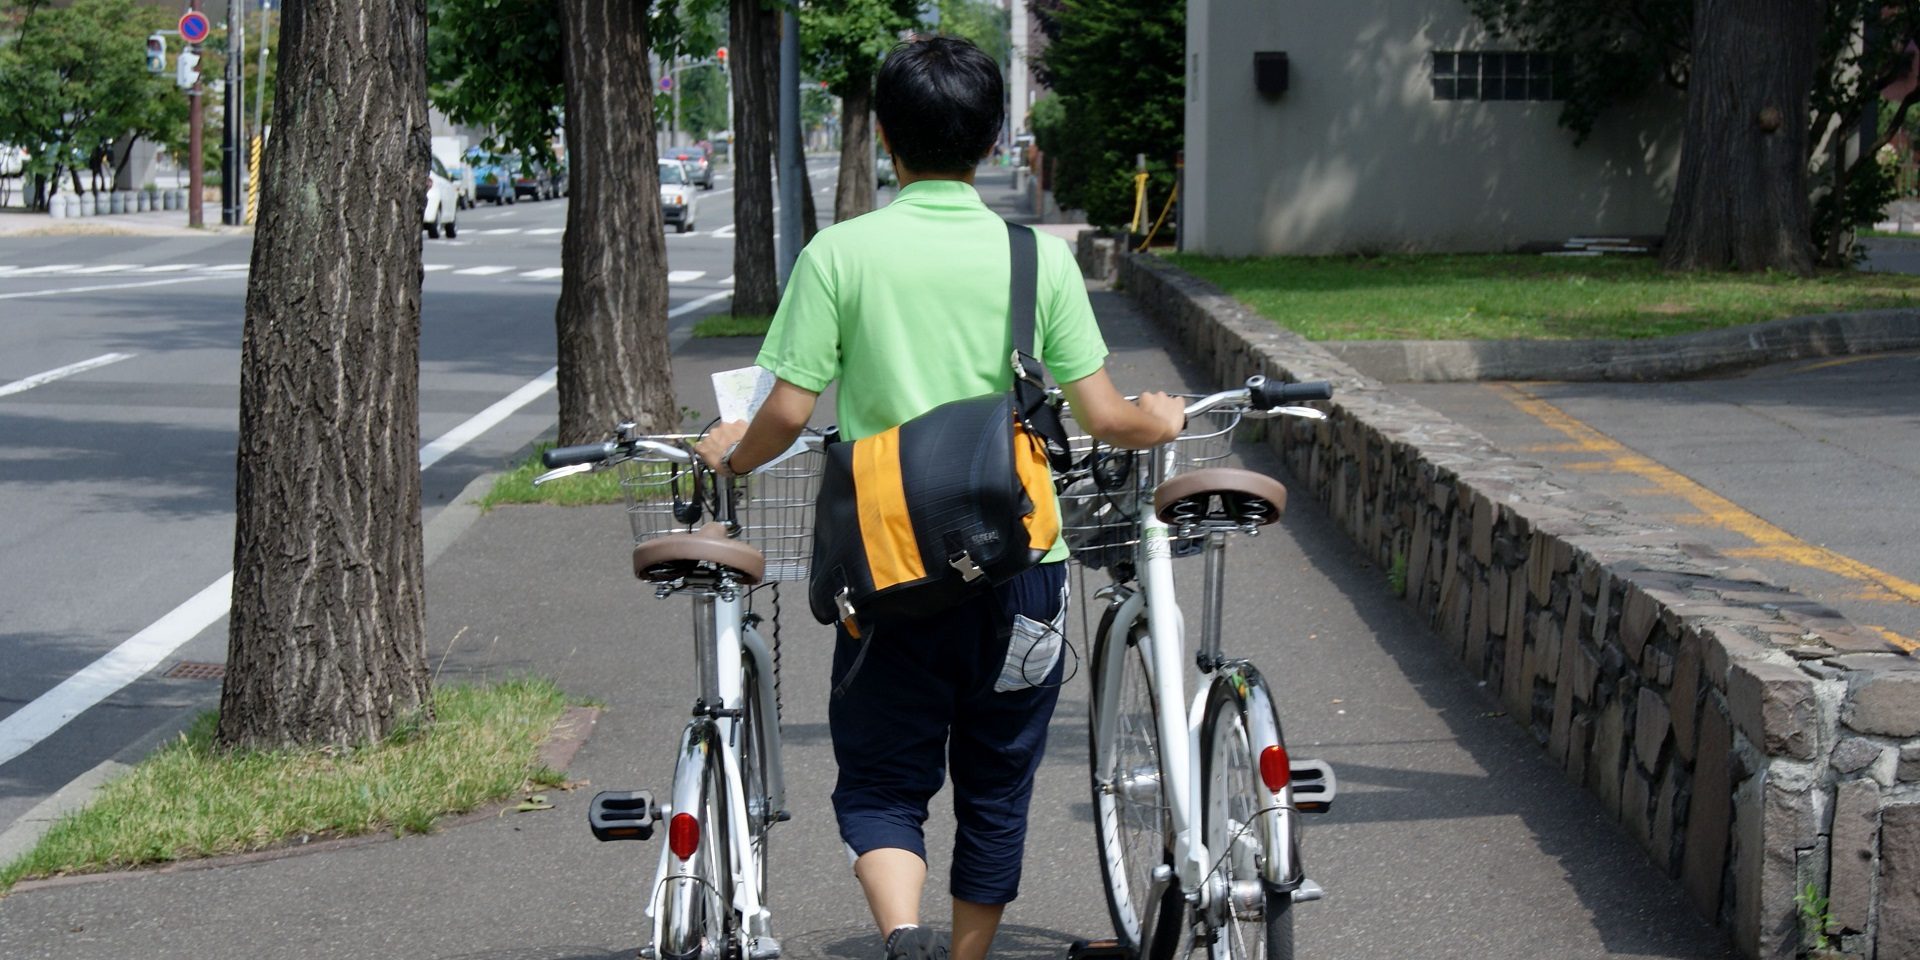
(1493,76)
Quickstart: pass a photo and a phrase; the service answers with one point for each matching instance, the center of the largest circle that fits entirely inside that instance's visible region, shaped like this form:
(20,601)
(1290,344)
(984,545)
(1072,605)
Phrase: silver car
(679,202)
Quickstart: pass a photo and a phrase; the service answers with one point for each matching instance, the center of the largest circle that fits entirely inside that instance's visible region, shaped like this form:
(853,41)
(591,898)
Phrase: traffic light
(721,55)
(186,69)
(156,54)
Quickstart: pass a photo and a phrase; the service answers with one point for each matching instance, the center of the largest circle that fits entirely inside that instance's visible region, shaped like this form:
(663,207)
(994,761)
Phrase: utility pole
(196,148)
(792,163)
(233,154)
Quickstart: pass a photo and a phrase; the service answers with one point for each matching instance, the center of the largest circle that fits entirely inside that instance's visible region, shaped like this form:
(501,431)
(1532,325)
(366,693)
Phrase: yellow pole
(1139,202)
(253,182)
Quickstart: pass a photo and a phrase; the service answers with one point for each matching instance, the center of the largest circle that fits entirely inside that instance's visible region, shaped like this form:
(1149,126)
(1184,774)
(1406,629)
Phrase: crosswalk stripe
(545,231)
(498,231)
(49,268)
(685,276)
(728,282)
(544,273)
(481,271)
(229,267)
(104,268)
(168,268)
(437,267)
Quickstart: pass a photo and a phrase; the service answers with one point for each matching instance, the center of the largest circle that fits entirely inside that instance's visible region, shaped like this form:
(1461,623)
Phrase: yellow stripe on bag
(886,529)
(1030,462)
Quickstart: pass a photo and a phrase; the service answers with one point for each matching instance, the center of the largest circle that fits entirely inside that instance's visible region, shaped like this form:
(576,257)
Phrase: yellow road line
(1769,542)
(1843,361)
(1905,643)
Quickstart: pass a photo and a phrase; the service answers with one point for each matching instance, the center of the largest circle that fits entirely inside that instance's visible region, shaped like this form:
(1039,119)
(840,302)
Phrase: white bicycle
(718,540)
(1197,803)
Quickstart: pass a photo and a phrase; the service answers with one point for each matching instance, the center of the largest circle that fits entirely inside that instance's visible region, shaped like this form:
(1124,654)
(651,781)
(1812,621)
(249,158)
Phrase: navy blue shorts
(970,690)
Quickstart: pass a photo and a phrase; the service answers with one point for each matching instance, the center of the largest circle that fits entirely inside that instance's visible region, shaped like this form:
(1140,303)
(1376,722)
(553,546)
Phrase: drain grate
(190,670)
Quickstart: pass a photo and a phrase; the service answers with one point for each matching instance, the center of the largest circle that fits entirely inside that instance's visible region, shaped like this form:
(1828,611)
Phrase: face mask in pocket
(1032,650)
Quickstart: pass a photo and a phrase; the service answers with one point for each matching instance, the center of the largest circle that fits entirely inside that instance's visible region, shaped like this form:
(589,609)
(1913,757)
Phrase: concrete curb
(1664,358)
(1750,740)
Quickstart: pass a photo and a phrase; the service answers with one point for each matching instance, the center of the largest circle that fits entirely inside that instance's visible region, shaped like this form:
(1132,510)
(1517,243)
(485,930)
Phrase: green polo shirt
(907,308)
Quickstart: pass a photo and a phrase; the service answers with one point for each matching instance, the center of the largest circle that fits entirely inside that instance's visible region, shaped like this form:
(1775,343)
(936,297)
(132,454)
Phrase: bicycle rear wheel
(1256,921)
(1132,820)
(696,920)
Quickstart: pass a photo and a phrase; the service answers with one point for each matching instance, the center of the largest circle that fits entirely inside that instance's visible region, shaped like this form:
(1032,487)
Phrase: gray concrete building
(1402,126)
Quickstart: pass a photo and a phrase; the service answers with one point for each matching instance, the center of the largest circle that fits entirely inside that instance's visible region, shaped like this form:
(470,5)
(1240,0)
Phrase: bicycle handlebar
(1263,394)
(576,455)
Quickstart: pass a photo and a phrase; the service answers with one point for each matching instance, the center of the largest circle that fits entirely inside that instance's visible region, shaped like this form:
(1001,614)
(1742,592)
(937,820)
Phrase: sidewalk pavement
(1452,838)
(18,222)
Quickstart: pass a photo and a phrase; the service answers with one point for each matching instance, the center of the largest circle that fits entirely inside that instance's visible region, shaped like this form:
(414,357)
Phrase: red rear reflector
(683,835)
(1276,771)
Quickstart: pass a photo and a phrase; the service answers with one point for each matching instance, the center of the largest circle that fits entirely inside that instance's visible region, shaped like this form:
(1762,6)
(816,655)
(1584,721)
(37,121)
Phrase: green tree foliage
(1610,53)
(844,42)
(74,79)
(703,101)
(985,25)
(1116,67)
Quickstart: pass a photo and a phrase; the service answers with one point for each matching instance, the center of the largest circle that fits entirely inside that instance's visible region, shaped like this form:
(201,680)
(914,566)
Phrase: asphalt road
(1808,470)
(116,480)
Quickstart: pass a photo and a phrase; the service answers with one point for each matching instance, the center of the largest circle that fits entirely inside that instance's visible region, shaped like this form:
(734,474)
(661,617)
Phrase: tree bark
(612,317)
(326,640)
(1740,201)
(853,195)
(754,47)
(809,214)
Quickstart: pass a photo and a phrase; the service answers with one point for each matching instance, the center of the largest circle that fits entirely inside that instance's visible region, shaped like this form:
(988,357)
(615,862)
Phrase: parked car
(493,180)
(699,165)
(539,181)
(443,202)
(679,205)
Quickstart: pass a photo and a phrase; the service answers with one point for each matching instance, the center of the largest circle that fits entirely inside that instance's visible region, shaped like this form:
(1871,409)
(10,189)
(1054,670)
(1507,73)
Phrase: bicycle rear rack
(622,815)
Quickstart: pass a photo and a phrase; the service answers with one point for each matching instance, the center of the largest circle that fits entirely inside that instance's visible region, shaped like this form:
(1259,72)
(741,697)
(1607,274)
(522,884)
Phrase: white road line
(114,286)
(726,231)
(728,282)
(481,271)
(498,231)
(229,267)
(544,273)
(685,276)
(545,231)
(28,383)
(437,267)
(103,268)
(42,271)
(47,713)
(692,305)
(169,268)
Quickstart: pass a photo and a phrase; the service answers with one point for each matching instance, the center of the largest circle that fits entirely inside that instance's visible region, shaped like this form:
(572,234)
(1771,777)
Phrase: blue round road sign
(194,27)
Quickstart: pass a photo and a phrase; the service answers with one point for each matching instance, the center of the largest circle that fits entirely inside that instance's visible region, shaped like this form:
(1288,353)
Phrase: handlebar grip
(584,453)
(1266,394)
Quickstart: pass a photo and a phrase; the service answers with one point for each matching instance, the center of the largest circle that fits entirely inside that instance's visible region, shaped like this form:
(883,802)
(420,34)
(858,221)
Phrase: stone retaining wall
(1751,740)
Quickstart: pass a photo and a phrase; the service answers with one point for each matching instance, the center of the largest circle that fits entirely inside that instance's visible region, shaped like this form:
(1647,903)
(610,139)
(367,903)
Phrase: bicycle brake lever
(1306,413)
(557,473)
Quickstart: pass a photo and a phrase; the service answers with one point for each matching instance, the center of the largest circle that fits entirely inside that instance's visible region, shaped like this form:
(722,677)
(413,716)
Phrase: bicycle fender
(1237,684)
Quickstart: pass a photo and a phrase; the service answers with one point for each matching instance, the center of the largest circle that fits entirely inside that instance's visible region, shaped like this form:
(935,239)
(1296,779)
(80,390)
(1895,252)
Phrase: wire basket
(1103,496)
(773,505)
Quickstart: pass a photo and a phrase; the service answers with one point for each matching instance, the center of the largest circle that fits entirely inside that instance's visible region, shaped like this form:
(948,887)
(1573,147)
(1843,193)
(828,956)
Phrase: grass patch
(582,489)
(728,325)
(1499,297)
(190,799)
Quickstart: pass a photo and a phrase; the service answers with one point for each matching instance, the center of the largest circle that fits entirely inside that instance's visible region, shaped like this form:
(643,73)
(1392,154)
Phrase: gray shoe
(915,943)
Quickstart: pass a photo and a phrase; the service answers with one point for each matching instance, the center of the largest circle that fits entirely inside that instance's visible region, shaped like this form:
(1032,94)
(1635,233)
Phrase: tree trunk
(754,47)
(1740,200)
(326,642)
(809,214)
(612,316)
(853,195)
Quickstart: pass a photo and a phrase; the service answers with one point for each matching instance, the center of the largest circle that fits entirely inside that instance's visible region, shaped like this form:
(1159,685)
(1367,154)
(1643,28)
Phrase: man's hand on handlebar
(1168,411)
(713,447)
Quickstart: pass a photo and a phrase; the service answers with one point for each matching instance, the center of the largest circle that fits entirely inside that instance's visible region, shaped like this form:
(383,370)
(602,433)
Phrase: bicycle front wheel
(1132,820)
(1256,921)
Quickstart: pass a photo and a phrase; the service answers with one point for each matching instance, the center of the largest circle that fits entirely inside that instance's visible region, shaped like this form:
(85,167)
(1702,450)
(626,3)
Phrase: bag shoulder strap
(1029,377)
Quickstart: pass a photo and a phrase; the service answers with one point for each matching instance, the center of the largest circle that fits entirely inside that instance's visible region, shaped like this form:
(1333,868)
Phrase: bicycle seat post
(706,651)
(1213,601)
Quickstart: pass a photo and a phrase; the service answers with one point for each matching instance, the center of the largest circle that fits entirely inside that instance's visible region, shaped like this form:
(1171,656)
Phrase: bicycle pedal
(782,817)
(1308,890)
(1107,949)
(622,815)
(1313,785)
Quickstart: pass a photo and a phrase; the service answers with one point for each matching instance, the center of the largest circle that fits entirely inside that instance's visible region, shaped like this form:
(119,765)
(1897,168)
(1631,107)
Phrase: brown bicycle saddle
(679,555)
(1220,494)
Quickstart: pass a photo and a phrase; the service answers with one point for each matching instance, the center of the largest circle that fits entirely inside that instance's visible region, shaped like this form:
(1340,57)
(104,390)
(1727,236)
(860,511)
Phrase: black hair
(940,102)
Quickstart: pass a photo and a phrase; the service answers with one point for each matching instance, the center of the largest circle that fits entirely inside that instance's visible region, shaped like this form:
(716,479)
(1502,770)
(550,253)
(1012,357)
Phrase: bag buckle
(844,605)
(969,571)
